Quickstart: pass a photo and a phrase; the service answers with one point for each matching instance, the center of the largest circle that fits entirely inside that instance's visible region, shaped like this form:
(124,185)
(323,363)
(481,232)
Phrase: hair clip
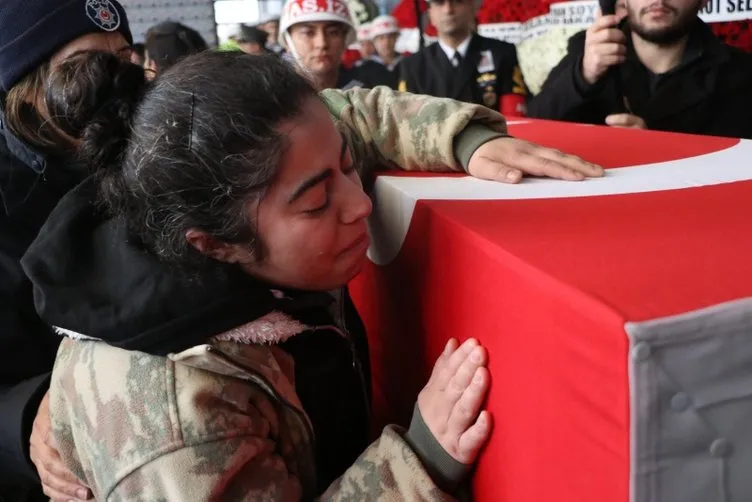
(190,126)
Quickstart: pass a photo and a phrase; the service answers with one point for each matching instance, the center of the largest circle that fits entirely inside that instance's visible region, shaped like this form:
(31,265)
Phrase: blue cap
(32,31)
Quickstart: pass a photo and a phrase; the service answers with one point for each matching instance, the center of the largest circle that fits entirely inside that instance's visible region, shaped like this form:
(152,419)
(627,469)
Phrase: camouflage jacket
(221,420)
(410,132)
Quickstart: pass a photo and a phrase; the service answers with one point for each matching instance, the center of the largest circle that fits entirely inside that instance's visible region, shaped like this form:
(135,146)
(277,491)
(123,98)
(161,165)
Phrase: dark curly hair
(192,150)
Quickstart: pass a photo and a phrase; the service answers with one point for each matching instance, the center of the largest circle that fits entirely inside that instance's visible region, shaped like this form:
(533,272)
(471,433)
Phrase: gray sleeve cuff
(470,139)
(445,471)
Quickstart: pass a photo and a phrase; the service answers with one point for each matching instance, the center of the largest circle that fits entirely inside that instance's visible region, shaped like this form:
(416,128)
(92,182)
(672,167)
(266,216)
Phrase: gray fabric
(691,406)
(445,471)
(470,139)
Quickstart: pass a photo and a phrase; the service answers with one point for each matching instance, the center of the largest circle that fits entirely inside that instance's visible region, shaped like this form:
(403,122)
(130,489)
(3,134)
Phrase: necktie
(457,59)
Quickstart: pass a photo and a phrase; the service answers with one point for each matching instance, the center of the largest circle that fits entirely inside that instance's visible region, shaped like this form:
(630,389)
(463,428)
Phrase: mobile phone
(608,7)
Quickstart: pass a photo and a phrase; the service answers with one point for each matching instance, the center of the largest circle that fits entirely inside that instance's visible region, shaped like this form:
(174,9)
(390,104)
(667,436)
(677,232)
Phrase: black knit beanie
(31,31)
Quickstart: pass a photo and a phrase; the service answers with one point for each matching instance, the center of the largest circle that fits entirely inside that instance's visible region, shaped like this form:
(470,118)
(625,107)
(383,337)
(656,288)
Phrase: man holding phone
(660,68)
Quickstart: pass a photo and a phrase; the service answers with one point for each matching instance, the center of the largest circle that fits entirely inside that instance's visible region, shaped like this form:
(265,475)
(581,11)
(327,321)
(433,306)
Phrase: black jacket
(90,277)
(710,92)
(367,78)
(30,187)
(430,72)
(376,74)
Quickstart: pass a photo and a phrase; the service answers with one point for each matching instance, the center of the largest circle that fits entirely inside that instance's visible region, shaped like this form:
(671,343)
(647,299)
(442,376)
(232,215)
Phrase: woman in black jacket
(231,219)
(35,172)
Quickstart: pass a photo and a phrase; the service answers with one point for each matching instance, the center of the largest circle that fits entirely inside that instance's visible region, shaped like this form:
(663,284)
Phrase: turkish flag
(601,304)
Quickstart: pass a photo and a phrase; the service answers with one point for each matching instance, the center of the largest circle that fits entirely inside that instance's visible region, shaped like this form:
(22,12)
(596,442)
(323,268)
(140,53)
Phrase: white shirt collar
(462,48)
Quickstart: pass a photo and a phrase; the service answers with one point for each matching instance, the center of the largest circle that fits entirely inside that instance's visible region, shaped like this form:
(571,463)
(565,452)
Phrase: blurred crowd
(648,65)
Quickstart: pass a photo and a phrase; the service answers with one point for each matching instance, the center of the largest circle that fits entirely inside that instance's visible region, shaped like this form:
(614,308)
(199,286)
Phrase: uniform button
(641,352)
(720,448)
(680,401)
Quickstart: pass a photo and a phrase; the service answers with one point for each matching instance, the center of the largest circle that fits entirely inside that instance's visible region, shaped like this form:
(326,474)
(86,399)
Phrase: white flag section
(396,196)
(578,14)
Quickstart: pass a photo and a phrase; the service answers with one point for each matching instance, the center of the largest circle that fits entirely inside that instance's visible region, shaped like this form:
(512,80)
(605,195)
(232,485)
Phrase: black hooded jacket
(708,93)
(90,277)
(31,184)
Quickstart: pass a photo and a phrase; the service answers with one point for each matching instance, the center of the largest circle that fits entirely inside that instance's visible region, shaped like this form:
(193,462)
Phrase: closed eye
(317,211)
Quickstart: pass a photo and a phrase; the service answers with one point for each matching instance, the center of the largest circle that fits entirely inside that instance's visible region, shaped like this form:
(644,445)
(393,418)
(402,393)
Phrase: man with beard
(660,68)
(463,65)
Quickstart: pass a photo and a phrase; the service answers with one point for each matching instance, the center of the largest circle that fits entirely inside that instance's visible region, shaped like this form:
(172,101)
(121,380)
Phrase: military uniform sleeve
(388,470)
(228,469)
(234,469)
(411,132)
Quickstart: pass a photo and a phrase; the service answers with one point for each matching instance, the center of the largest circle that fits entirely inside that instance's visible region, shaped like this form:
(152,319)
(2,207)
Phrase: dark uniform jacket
(376,73)
(488,71)
(30,187)
(710,92)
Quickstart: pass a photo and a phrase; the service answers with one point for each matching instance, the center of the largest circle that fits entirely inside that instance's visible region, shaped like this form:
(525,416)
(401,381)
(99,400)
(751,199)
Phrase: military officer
(464,65)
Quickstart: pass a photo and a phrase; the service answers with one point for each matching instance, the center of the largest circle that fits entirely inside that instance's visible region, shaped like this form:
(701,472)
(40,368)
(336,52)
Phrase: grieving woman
(199,277)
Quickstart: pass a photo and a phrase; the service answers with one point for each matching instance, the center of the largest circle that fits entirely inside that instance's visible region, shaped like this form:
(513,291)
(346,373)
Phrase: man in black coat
(464,65)
(661,68)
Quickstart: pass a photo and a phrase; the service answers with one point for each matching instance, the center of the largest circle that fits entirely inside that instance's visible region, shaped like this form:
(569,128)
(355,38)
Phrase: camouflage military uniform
(221,420)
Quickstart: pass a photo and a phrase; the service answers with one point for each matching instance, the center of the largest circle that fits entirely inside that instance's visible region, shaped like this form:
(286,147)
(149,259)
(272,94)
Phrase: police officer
(316,34)
(464,65)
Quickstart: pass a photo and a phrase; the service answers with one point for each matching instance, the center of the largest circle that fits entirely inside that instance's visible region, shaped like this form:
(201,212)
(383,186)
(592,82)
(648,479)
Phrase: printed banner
(577,14)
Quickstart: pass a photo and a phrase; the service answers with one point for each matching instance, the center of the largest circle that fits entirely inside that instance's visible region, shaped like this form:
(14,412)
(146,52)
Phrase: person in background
(385,32)
(382,66)
(252,40)
(660,68)
(201,273)
(271,26)
(138,54)
(464,65)
(316,36)
(365,42)
(169,42)
(36,169)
